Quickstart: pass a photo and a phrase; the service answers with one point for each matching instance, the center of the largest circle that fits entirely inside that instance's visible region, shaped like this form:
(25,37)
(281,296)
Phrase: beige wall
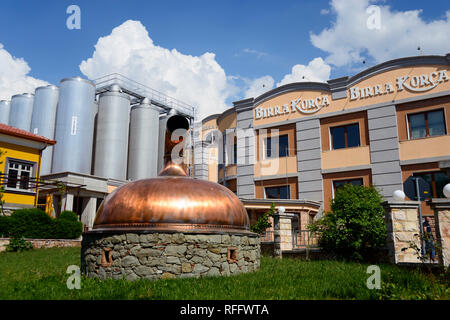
(227,122)
(345,104)
(425,148)
(347,157)
(277,166)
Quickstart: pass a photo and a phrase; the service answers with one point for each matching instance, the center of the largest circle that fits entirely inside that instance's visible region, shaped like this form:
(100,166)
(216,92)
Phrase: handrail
(141,91)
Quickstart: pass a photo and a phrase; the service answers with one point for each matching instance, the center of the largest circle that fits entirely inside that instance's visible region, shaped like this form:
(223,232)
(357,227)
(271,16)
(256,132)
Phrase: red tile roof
(12,131)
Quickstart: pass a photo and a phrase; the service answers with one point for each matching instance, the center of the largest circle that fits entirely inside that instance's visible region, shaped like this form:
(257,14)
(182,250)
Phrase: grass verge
(41,274)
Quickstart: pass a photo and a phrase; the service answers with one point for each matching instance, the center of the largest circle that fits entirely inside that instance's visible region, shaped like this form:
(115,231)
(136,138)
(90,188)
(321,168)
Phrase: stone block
(173,260)
(199,268)
(132,238)
(129,261)
(186,267)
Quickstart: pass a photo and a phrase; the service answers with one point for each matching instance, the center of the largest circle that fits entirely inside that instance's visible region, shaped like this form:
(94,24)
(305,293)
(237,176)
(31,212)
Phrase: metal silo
(43,120)
(111,144)
(21,111)
(161,142)
(95,135)
(143,149)
(5,106)
(74,126)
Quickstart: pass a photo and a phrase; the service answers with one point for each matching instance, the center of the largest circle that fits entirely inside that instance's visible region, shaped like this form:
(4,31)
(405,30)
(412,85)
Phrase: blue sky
(250,39)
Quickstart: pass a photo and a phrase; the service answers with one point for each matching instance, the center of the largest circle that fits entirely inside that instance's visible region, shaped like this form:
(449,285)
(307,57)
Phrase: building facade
(20,164)
(301,141)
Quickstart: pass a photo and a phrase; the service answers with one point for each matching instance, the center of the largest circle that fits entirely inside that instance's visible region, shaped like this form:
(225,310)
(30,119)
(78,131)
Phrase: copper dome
(172,202)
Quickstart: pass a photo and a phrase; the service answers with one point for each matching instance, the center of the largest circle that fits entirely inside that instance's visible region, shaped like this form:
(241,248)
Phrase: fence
(305,239)
(267,236)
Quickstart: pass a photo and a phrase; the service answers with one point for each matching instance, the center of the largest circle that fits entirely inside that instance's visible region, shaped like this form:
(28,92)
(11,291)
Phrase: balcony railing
(267,236)
(305,239)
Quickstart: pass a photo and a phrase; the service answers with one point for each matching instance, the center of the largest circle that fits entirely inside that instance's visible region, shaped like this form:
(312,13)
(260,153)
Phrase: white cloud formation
(129,50)
(400,34)
(258,86)
(316,71)
(14,77)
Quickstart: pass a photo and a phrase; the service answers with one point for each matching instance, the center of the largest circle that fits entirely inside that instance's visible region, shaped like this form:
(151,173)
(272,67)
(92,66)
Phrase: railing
(267,236)
(158,98)
(305,239)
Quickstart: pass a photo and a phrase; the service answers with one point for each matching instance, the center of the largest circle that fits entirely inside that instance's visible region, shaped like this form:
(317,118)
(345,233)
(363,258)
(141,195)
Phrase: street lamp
(398,195)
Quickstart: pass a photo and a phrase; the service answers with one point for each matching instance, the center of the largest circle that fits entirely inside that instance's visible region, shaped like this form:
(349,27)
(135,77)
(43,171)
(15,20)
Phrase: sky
(211,53)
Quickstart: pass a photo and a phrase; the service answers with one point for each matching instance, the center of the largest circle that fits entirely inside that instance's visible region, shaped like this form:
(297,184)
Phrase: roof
(12,131)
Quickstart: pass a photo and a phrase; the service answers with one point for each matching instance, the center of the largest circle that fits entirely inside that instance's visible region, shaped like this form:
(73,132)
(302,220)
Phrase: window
(426,124)
(339,183)
(283,146)
(235,152)
(437,180)
(281,192)
(19,174)
(345,136)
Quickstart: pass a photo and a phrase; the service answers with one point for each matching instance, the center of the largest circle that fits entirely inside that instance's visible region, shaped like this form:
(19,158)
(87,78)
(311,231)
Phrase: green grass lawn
(41,274)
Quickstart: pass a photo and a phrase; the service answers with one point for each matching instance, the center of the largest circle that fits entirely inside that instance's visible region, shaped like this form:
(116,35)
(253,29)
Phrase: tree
(355,227)
(2,188)
(263,222)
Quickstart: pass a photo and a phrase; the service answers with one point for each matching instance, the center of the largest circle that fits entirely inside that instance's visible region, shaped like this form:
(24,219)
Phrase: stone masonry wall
(402,228)
(285,233)
(168,255)
(442,218)
(44,243)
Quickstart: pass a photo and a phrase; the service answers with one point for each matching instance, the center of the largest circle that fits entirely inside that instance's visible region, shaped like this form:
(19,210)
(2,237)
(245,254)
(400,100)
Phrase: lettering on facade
(306,106)
(420,83)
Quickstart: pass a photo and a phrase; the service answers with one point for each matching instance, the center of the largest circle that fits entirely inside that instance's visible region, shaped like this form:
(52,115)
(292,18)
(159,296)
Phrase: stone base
(168,255)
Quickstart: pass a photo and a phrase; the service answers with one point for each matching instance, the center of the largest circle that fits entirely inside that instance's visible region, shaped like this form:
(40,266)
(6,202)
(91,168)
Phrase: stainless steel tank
(5,107)
(143,147)
(74,126)
(43,120)
(161,141)
(95,134)
(111,144)
(21,111)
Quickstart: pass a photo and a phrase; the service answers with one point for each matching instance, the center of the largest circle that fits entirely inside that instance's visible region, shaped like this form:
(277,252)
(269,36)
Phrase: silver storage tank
(95,134)
(21,111)
(111,144)
(5,107)
(161,143)
(74,126)
(43,120)
(143,149)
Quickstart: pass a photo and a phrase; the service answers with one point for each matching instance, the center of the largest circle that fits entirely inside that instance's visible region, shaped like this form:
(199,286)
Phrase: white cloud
(324,12)
(257,53)
(349,38)
(128,50)
(316,71)
(258,86)
(13,76)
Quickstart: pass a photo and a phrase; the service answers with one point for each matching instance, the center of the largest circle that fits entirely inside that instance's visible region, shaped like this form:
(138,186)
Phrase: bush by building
(36,224)
(355,227)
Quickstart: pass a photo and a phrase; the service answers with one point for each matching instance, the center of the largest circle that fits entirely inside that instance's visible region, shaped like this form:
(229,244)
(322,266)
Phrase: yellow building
(20,162)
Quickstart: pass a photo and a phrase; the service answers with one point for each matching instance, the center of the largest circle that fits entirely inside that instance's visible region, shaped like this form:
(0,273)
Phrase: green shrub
(67,226)
(4,227)
(31,223)
(36,224)
(263,222)
(17,244)
(69,215)
(355,227)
